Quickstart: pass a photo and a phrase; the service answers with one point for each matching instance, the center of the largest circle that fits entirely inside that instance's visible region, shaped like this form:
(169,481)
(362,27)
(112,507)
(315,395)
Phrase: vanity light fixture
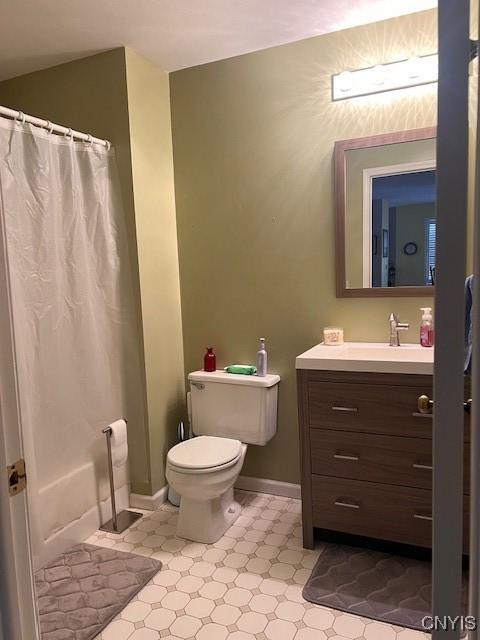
(385,77)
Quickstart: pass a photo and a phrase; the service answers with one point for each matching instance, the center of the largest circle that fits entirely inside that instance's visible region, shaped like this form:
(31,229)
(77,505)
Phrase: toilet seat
(204,454)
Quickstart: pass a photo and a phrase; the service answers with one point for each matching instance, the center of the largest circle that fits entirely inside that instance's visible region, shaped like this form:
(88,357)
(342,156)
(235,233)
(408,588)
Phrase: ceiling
(174,34)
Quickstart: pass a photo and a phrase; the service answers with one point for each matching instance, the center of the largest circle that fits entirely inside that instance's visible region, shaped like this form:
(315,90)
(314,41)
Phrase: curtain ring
(49,127)
(108,144)
(89,140)
(69,134)
(20,116)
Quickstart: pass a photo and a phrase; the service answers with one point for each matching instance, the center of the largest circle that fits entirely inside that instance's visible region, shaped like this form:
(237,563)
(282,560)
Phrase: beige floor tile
(276,629)
(144,634)
(252,622)
(273,587)
(290,611)
(136,611)
(263,603)
(212,631)
(118,630)
(200,607)
(379,631)
(202,569)
(349,626)
(176,600)
(185,626)
(226,614)
(238,597)
(213,590)
(152,594)
(310,634)
(160,619)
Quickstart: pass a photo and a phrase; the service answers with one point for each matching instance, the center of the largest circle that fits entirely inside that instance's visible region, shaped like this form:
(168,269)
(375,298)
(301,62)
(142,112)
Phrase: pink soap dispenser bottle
(427,332)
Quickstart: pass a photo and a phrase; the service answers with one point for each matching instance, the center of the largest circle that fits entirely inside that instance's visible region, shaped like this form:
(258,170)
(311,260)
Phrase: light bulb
(345,81)
(413,67)
(378,75)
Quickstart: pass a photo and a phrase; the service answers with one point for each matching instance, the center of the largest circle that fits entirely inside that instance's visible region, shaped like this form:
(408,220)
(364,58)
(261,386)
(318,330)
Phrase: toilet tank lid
(270,380)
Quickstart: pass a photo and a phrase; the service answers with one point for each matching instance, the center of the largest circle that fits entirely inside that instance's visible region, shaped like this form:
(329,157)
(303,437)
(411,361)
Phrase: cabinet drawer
(362,508)
(376,458)
(378,404)
(370,408)
(399,514)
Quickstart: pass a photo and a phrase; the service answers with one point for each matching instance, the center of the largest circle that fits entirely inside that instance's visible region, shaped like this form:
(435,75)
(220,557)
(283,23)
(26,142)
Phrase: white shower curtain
(73,318)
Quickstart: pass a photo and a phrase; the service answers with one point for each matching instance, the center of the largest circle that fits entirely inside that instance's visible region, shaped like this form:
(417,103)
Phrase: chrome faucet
(395,327)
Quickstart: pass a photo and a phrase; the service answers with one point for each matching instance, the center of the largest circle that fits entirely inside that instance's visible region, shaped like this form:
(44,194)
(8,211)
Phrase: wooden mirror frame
(341,146)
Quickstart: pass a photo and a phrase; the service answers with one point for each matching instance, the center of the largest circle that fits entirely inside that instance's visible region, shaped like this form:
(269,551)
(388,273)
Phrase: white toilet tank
(234,406)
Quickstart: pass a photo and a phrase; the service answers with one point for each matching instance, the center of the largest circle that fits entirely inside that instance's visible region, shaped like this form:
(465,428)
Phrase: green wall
(152,166)
(253,139)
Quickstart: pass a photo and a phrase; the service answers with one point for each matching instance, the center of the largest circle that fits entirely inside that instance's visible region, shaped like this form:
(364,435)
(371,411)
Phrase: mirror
(385,214)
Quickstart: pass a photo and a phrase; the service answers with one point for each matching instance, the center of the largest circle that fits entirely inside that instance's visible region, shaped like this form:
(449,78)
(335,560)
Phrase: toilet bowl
(203,471)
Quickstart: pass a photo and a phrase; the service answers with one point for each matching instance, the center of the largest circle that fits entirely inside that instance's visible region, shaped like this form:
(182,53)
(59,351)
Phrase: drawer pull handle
(415,465)
(424,404)
(348,409)
(416,414)
(349,505)
(419,516)
(340,456)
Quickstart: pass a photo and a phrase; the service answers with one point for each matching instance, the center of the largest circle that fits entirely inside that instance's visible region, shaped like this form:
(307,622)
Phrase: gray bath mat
(373,584)
(81,591)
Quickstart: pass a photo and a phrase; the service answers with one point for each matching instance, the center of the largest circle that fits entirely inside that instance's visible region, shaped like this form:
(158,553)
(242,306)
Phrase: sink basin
(370,357)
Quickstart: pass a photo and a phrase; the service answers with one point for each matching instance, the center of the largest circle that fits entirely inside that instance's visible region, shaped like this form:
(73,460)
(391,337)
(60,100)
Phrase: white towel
(118,440)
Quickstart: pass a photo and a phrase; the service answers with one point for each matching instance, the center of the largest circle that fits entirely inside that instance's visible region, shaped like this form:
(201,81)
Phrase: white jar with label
(333,336)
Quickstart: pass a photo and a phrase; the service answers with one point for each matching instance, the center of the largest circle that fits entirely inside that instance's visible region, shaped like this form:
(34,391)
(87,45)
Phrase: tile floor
(246,586)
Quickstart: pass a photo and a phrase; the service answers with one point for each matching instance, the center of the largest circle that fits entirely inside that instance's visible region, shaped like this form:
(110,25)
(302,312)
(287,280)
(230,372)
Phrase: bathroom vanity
(366,449)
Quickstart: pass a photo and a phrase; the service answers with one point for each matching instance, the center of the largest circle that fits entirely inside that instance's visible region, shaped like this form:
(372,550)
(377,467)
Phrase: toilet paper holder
(119,521)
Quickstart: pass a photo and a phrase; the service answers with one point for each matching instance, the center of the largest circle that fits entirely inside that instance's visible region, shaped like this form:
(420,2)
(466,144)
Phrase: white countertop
(370,357)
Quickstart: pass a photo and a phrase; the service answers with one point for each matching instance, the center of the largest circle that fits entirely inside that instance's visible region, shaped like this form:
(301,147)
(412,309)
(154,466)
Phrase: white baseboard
(261,485)
(149,503)
(273,487)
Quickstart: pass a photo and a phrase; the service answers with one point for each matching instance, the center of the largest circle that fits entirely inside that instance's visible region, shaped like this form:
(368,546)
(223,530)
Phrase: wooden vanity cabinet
(366,455)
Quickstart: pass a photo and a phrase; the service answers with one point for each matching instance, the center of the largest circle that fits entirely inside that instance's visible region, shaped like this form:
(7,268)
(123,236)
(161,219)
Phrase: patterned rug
(373,584)
(81,591)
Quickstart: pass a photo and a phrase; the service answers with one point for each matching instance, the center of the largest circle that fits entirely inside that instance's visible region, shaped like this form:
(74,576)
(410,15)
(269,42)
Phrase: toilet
(227,412)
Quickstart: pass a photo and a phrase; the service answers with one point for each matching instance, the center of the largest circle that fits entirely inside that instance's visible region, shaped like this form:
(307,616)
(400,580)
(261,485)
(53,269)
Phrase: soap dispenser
(427,332)
(262,359)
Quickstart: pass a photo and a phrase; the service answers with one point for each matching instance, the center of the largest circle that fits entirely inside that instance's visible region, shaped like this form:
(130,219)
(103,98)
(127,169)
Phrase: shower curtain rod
(52,128)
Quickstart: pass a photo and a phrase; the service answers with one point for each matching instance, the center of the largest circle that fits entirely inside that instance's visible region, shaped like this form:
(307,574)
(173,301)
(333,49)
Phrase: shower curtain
(73,319)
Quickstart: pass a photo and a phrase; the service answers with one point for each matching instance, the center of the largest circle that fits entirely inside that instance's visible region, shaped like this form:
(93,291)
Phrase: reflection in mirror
(400,215)
(386,200)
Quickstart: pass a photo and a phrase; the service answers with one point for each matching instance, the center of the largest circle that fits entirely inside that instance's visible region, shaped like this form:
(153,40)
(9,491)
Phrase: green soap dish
(243,369)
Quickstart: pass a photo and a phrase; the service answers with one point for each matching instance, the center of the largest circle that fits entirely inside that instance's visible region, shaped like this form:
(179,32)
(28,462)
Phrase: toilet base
(207,520)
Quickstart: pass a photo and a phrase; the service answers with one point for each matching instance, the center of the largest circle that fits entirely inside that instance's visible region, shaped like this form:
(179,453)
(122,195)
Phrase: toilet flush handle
(198,385)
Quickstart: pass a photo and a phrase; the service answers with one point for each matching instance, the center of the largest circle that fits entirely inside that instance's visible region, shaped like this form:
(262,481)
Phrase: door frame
(18,613)
(452,184)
